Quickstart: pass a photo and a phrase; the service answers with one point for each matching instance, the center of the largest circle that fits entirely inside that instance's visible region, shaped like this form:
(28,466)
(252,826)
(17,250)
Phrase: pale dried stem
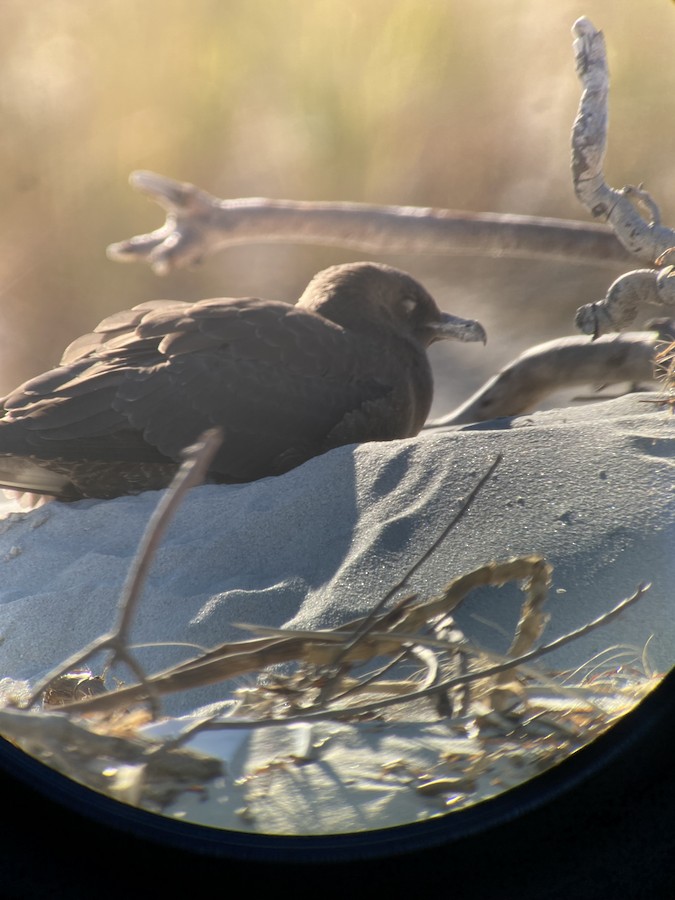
(317,648)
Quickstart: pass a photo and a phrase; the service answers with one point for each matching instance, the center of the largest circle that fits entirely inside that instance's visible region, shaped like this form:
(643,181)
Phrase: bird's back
(283,383)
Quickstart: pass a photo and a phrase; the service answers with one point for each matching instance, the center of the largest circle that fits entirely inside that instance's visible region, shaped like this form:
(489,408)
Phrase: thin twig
(370,619)
(191,472)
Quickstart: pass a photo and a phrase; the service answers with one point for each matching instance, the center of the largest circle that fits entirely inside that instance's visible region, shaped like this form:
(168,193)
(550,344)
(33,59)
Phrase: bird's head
(374,299)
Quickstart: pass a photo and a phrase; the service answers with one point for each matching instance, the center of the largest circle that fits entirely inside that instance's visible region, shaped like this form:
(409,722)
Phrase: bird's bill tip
(455,328)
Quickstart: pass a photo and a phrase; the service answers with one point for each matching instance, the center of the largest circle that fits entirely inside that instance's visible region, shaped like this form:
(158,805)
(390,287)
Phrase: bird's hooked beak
(454,328)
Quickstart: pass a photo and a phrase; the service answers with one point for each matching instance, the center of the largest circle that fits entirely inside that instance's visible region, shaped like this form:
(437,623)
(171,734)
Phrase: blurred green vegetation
(424,102)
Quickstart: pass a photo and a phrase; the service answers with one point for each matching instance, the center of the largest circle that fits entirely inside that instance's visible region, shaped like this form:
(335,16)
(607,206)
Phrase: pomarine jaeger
(346,364)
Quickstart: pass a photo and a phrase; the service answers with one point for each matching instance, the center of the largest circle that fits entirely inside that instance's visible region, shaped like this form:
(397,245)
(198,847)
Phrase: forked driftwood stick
(641,234)
(198,225)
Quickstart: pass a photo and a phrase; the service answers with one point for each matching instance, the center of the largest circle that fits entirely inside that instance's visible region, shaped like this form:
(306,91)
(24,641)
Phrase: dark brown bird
(347,363)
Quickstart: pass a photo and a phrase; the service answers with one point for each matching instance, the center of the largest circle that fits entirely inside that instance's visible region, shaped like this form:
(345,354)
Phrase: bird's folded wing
(149,380)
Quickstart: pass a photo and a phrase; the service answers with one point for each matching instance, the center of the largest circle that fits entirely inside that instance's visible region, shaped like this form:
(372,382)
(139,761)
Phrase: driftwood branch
(625,298)
(565,362)
(645,238)
(198,225)
(630,211)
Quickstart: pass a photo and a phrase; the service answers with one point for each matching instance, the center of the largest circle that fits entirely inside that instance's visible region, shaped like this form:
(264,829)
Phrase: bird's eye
(409,305)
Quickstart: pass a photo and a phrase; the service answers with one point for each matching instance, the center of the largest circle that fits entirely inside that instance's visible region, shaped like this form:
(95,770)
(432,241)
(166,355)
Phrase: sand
(590,488)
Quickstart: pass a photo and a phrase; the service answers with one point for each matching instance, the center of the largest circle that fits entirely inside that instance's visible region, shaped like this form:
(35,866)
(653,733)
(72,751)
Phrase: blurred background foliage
(423,102)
